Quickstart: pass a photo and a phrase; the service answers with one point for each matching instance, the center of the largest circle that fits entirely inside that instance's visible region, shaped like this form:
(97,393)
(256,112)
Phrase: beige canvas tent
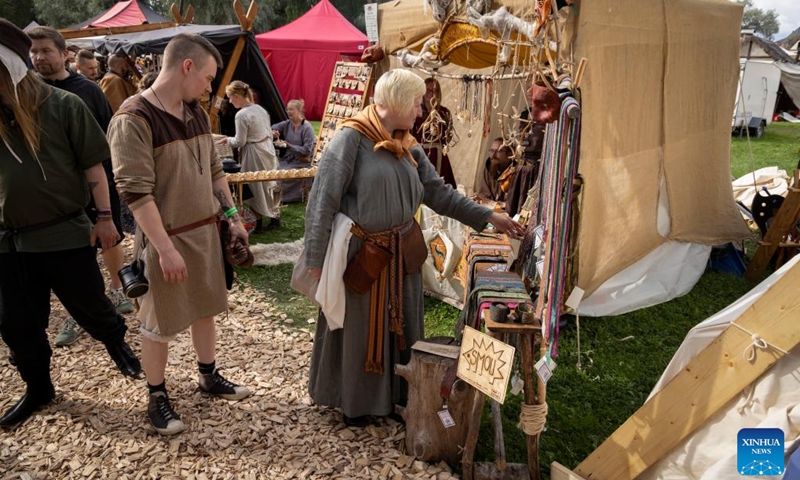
(657,100)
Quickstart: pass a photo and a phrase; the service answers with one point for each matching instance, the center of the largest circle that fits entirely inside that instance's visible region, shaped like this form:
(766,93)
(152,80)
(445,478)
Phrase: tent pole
(246,22)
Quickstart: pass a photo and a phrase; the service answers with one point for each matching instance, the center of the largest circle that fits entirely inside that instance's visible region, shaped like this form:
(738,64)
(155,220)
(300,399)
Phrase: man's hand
(504,224)
(222,141)
(173,266)
(105,233)
(237,231)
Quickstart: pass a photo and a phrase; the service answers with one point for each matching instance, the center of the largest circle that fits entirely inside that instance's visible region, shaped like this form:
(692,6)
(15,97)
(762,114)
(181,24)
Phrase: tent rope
(532,419)
(749,353)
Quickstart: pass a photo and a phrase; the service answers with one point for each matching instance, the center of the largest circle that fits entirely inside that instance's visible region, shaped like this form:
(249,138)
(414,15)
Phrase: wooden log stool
(432,387)
(534,411)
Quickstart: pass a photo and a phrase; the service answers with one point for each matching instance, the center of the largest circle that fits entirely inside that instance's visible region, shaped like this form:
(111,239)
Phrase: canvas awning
(130,12)
(251,67)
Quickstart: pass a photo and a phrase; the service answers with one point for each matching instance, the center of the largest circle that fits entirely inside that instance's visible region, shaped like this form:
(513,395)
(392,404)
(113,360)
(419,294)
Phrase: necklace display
(196,157)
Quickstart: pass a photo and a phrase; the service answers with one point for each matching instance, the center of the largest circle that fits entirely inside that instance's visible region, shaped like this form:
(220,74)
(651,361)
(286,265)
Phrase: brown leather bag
(365,268)
(414,250)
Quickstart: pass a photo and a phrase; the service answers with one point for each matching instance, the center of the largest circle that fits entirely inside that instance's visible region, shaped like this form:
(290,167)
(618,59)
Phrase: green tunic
(33,192)
(378,191)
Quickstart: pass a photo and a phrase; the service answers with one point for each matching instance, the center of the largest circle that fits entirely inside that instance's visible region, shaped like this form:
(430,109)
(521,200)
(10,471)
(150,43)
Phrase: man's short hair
(48,33)
(74,48)
(191,46)
(84,55)
(503,148)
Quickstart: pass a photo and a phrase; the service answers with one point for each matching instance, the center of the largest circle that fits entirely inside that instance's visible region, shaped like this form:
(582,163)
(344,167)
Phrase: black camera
(134,283)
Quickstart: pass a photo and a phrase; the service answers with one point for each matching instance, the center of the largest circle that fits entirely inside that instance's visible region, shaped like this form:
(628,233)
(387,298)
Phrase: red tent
(122,14)
(302,54)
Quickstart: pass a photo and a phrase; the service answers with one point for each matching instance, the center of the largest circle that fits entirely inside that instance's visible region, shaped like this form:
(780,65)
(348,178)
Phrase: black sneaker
(217,385)
(162,416)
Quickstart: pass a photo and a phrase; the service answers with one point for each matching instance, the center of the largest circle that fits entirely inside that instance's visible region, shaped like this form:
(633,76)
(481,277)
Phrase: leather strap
(192,226)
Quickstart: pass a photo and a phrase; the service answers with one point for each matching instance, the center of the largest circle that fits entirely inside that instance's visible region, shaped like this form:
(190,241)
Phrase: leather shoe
(359,422)
(29,403)
(123,356)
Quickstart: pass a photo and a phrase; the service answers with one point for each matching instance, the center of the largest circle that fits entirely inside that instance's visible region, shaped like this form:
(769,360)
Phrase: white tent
(710,452)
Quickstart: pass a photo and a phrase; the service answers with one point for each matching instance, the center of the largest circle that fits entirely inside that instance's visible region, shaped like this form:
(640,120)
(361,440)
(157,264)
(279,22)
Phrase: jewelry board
(348,94)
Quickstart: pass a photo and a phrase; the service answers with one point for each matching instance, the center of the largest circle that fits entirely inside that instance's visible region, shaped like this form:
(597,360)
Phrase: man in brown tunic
(115,84)
(168,172)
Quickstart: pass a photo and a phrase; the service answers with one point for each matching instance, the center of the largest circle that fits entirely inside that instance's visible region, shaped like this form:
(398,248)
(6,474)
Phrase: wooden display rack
(776,238)
(500,469)
(348,94)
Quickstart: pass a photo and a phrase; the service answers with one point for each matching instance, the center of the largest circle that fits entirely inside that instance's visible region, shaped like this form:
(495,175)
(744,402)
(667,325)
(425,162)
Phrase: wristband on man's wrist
(231,212)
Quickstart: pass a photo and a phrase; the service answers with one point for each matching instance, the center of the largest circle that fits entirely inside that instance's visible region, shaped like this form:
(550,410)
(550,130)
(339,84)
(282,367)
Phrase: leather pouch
(366,267)
(415,252)
(545,103)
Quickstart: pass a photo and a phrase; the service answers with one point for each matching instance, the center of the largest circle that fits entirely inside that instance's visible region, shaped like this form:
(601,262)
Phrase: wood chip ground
(97,427)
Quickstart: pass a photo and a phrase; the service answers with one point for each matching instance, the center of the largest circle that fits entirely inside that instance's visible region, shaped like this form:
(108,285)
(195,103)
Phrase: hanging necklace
(196,159)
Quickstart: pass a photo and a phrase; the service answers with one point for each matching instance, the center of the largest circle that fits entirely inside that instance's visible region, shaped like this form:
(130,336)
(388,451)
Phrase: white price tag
(446,418)
(544,369)
(516,385)
(575,298)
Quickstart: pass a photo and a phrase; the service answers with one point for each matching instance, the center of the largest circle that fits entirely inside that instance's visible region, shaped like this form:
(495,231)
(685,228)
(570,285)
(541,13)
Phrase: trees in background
(764,22)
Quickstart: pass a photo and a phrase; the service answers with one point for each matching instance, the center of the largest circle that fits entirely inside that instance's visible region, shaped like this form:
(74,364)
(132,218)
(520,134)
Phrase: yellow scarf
(369,124)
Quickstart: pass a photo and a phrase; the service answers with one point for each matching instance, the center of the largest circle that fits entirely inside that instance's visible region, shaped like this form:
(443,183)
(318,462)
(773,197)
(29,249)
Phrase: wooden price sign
(485,363)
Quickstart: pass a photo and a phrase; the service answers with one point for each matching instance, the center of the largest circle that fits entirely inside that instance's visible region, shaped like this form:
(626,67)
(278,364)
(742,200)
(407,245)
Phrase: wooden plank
(717,375)
(176,13)
(97,31)
(237,7)
(189,17)
(252,11)
(510,327)
(560,472)
(784,220)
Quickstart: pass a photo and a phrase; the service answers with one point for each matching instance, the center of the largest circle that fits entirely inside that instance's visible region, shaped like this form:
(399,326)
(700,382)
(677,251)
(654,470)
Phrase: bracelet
(231,212)
(107,211)
(103,219)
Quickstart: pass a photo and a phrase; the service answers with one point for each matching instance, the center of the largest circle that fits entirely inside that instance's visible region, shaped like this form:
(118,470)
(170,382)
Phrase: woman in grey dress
(256,152)
(300,140)
(379,180)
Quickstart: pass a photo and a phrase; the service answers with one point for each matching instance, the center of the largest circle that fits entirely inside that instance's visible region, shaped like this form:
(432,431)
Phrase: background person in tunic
(435,150)
(51,154)
(378,179)
(256,152)
(300,141)
(48,52)
(169,173)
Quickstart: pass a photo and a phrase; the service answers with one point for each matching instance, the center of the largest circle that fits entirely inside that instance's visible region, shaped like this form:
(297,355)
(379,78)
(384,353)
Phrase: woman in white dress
(256,152)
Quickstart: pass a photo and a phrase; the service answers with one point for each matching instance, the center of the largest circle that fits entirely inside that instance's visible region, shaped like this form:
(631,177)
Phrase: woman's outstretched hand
(504,224)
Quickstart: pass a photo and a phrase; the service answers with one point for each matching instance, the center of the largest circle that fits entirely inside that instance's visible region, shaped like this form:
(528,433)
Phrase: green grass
(273,281)
(779,146)
(622,357)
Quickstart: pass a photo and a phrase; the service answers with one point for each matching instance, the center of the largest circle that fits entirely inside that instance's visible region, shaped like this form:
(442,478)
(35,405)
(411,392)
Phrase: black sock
(157,388)
(207,368)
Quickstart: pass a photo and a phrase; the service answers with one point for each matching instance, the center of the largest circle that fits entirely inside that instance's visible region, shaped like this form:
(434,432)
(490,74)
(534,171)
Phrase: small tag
(446,418)
(515,218)
(544,369)
(540,268)
(539,236)
(575,298)
(516,384)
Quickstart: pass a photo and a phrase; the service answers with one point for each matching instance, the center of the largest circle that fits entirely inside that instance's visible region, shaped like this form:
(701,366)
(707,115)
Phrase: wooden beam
(237,7)
(714,377)
(189,17)
(560,472)
(176,13)
(784,220)
(246,22)
(97,31)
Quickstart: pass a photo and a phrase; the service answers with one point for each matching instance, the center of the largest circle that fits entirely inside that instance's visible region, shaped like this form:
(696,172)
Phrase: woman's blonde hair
(397,89)
(30,94)
(238,87)
(297,104)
